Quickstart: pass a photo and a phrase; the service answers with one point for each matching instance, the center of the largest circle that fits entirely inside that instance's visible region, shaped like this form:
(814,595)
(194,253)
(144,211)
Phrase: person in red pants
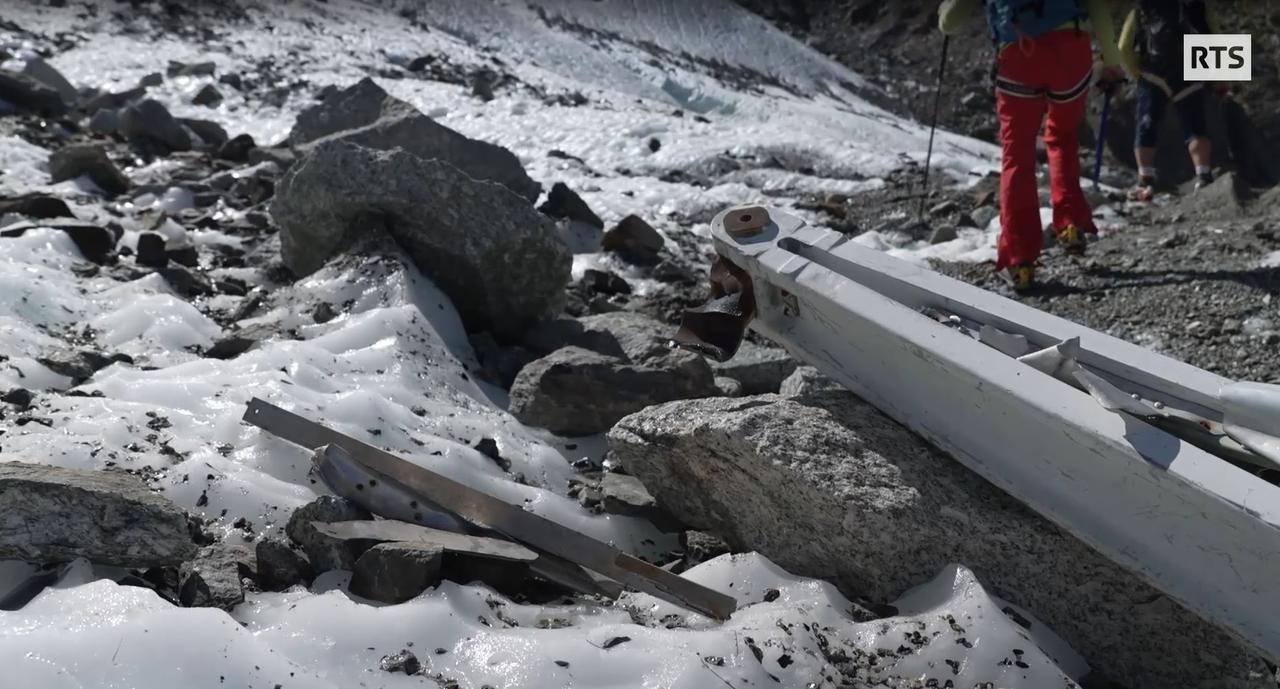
(1044,67)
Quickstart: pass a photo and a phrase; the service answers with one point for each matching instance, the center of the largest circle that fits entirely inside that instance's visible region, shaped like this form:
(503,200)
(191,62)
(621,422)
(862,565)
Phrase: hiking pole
(933,125)
(1102,139)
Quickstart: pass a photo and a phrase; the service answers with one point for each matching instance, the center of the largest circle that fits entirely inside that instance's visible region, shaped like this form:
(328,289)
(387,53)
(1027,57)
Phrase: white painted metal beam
(1200,529)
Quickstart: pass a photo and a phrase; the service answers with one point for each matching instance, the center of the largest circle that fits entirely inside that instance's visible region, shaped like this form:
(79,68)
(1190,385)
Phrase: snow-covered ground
(392,369)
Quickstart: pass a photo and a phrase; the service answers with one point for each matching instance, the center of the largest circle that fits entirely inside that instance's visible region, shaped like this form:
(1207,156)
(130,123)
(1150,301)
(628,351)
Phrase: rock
(36,205)
(760,369)
(700,546)
(323,312)
(501,364)
(604,282)
(728,387)
(367,115)
(396,572)
(81,366)
(213,578)
(112,100)
(646,341)
(768,474)
(230,347)
(51,514)
(806,381)
(29,95)
(403,661)
(634,241)
(325,552)
(233,80)
(211,134)
(105,122)
(282,157)
(573,391)
(18,397)
(563,202)
(88,160)
(943,233)
(194,69)
(36,68)
(150,251)
(237,148)
(626,495)
(94,242)
(280,566)
(983,215)
(186,282)
(186,255)
(149,122)
(944,208)
(208,96)
(1222,199)
(551,335)
(498,260)
(151,80)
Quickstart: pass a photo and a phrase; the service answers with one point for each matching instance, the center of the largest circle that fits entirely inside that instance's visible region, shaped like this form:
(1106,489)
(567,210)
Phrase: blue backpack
(1012,19)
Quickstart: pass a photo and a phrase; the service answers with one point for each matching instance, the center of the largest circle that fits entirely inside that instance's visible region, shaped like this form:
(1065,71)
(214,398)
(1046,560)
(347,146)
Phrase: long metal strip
(491,512)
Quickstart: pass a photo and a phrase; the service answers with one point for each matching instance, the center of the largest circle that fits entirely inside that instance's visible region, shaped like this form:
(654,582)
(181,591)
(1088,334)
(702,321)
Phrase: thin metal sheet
(392,531)
(485,510)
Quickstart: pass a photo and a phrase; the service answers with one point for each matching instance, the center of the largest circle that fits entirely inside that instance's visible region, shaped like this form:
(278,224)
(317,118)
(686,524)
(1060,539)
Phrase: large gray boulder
(26,93)
(574,391)
(498,259)
(841,492)
(89,160)
(51,514)
(367,115)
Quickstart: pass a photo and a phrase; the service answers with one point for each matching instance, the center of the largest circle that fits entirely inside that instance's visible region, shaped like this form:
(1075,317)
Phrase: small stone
(151,80)
(194,69)
(489,448)
(943,233)
(605,282)
(948,206)
(237,148)
(36,205)
(151,250)
(280,566)
(728,387)
(18,397)
(563,202)
(403,661)
(213,578)
(654,145)
(325,552)
(208,96)
(396,572)
(88,160)
(634,241)
(323,312)
(982,216)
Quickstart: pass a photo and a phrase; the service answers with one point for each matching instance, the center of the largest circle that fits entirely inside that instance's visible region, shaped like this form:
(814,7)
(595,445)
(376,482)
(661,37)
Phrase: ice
(92,632)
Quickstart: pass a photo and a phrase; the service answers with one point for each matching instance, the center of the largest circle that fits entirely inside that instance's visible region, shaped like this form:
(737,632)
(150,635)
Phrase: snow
(87,631)
(1271,260)
(778,124)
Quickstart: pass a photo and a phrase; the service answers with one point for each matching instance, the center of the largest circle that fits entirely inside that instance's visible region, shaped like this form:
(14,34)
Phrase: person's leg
(1151,102)
(1191,110)
(1072,73)
(1021,235)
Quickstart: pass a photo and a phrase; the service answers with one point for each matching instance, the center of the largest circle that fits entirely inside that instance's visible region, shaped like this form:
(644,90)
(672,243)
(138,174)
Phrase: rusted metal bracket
(487,511)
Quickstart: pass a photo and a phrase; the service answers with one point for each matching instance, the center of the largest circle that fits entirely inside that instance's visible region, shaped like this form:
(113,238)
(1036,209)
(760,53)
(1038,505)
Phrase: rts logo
(1217,57)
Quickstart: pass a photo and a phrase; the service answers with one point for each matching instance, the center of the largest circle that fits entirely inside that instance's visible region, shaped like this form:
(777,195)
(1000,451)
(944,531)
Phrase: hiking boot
(1072,240)
(1203,180)
(1021,277)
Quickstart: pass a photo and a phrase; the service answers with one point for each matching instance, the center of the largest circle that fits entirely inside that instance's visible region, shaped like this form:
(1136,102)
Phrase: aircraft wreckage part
(378,494)
(1202,530)
(487,511)
(388,498)
(392,531)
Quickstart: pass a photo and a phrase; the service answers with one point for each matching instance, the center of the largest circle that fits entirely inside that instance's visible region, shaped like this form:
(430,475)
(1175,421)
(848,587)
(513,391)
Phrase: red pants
(1047,74)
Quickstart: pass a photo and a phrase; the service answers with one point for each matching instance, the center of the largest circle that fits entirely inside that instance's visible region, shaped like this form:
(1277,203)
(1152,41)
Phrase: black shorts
(1188,100)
